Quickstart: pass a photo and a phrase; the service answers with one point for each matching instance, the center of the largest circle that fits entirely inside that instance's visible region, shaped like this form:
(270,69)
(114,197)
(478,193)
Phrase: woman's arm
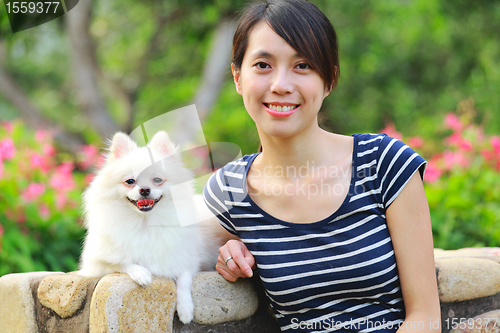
(409,224)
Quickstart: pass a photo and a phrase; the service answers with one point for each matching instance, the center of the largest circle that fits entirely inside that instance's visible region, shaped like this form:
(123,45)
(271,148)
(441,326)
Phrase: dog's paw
(185,310)
(140,275)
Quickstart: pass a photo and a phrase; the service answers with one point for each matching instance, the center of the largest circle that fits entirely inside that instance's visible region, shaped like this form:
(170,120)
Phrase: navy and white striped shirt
(338,274)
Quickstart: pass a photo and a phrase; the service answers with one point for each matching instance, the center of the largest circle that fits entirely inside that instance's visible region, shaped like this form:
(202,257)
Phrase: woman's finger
(241,257)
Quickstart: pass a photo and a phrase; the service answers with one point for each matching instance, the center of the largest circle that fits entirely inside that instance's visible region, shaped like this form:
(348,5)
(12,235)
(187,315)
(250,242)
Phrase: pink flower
(65,168)
(42,135)
(452,159)
(33,191)
(21,218)
(454,140)
(39,161)
(62,180)
(88,179)
(453,122)
(44,211)
(8,126)
(89,156)
(495,143)
(390,130)
(7,149)
(466,145)
(488,155)
(415,142)
(49,149)
(1,231)
(432,172)
(61,200)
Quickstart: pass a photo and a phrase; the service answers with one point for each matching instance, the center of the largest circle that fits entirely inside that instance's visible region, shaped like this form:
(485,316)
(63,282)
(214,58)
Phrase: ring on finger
(229,258)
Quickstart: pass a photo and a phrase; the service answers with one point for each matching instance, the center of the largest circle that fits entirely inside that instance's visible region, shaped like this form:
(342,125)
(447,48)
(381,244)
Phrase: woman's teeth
(281,108)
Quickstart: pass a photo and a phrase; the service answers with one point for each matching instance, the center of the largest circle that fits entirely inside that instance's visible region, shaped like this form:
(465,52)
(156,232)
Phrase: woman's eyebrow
(266,54)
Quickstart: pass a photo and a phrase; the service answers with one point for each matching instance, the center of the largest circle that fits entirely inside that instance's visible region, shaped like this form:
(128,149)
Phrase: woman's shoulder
(239,165)
(376,141)
(383,149)
(232,172)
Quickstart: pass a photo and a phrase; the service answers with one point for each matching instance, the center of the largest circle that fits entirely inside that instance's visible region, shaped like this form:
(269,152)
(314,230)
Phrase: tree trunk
(216,71)
(83,62)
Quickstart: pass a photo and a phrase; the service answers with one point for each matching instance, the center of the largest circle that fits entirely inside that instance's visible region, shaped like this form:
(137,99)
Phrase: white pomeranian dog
(134,224)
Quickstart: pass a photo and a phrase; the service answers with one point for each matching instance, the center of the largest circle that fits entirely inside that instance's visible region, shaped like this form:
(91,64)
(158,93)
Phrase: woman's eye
(130,182)
(158,180)
(261,65)
(303,66)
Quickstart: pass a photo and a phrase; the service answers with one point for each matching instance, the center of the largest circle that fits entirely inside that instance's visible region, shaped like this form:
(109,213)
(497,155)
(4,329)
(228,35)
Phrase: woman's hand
(241,264)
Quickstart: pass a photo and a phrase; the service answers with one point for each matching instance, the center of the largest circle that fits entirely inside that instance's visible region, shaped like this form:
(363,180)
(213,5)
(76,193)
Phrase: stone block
(217,300)
(467,278)
(17,310)
(50,322)
(492,253)
(63,293)
(120,305)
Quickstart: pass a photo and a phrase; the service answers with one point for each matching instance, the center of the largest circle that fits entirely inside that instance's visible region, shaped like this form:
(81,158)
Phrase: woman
(337,226)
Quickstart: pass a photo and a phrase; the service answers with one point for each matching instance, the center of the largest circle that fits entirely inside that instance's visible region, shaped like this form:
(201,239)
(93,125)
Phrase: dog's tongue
(145,202)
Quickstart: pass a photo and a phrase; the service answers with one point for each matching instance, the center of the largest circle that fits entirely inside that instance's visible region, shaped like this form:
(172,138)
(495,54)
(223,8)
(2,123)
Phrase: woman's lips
(281,109)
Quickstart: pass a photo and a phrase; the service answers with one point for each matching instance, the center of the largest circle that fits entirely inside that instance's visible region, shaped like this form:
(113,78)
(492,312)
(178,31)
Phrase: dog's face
(145,190)
(140,177)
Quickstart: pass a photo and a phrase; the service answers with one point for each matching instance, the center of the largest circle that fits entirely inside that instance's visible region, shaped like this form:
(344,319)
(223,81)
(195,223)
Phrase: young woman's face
(280,90)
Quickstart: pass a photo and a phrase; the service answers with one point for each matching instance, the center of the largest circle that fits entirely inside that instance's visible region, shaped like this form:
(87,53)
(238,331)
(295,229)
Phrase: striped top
(338,274)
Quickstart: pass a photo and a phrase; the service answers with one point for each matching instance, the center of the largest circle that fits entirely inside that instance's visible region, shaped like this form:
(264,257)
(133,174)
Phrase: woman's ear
(236,77)
(328,90)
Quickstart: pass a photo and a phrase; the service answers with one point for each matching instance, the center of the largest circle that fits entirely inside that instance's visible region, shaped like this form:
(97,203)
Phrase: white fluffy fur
(121,238)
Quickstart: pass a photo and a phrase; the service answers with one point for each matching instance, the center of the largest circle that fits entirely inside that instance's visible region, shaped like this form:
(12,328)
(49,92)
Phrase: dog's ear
(161,143)
(121,145)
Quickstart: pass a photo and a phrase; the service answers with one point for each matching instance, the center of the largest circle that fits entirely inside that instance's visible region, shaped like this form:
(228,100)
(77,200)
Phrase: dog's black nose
(145,191)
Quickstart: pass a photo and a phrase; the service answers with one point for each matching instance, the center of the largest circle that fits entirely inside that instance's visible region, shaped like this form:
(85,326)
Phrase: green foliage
(39,203)
(464,208)
(411,61)
(462,182)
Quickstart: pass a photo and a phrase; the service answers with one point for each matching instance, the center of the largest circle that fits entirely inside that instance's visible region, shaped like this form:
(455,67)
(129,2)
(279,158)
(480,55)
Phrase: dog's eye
(158,180)
(130,182)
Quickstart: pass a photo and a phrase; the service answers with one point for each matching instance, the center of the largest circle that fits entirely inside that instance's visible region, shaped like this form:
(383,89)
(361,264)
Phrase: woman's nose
(282,83)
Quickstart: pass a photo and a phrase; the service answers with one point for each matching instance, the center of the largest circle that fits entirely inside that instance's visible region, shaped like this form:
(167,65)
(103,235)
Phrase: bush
(462,181)
(40,193)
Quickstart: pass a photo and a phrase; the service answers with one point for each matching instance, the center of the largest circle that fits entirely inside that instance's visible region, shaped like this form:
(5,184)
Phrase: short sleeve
(397,163)
(213,195)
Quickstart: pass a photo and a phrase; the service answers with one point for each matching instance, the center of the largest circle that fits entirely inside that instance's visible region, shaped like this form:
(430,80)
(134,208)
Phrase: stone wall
(468,282)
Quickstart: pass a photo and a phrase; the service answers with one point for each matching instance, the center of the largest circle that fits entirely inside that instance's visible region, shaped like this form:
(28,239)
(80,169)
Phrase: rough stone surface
(492,253)
(467,309)
(17,312)
(217,300)
(50,322)
(261,322)
(461,279)
(486,323)
(120,305)
(63,293)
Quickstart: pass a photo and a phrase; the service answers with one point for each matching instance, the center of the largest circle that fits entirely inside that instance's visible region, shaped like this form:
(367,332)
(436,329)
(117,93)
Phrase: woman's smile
(281,109)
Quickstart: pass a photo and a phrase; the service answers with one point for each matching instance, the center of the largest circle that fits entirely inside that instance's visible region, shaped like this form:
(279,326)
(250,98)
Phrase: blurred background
(424,71)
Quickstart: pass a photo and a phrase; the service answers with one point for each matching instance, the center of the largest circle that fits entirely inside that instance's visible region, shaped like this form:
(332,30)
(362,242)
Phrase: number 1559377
(31,7)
